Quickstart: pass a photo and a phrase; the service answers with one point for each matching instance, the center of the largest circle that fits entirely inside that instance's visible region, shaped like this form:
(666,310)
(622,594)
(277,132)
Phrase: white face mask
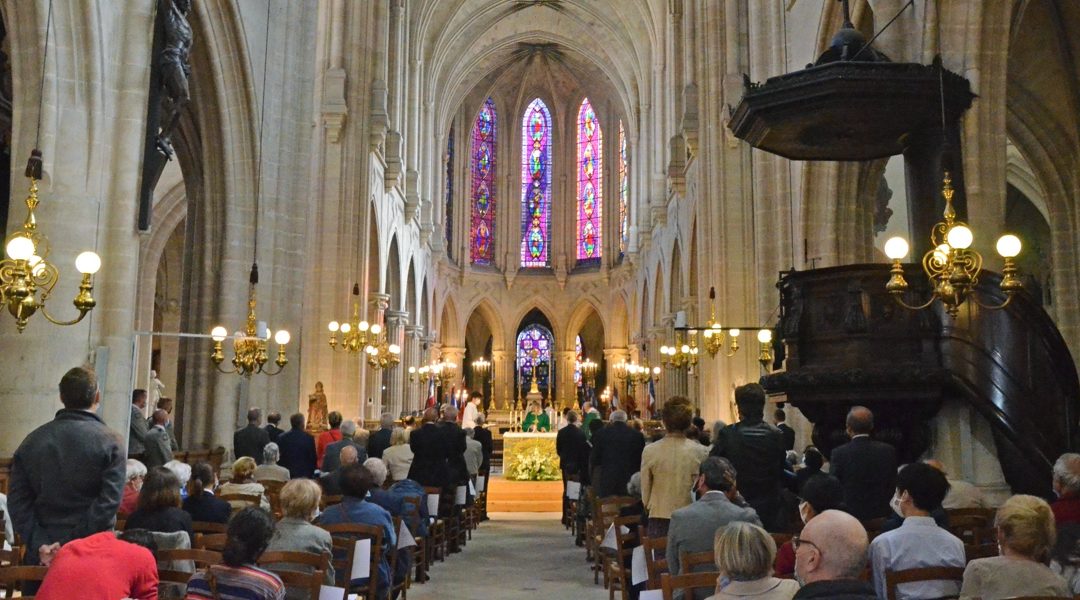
(895,504)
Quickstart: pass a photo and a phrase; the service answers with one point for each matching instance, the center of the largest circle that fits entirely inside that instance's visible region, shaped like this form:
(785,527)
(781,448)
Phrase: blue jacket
(359,512)
(393,500)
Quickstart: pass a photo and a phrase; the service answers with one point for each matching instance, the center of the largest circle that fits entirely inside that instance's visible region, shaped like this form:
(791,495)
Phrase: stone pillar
(395,378)
(372,400)
(411,357)
(502,379)
(567,390)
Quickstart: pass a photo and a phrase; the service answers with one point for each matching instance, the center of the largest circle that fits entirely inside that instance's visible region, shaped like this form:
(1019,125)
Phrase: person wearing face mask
(692,527)
(820,493)
(830,555)
(919,542)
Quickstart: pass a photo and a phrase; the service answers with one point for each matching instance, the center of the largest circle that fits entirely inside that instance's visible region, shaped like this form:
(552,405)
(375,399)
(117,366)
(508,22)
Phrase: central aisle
(514,556)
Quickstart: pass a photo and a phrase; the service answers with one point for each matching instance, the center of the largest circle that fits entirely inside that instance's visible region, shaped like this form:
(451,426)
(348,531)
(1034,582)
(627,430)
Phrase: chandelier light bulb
(685,348)
(37,266)
(764,336)
(88,263)
(734,333)
(346,328)
(412,370)
(282,337)
(1008,246)
(363,326)
(394,349)
(941,253)
(960,237)
(20,248)
(376,329)
(655,370)
(896,248)
(333,326)
(219,333)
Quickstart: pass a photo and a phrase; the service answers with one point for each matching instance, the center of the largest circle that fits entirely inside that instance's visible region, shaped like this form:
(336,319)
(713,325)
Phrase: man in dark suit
(380,440)
(250,440)
(429,453)
(272,428)
(455,444)
(297,449)
(785,429)
(865,467)
(157,442)
(571,446)
(67,476)
(617,452)
(482,435)
(330,460)
(331,482)
(138,426)
(756,450)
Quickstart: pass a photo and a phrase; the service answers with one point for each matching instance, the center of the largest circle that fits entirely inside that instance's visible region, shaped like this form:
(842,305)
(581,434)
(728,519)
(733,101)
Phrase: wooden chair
(655,557)
(605,511)
(329,500)
(198,456)
(895,578)
(120,524)
(398,589)
(345,537)
(971,551)
(618,565)
(972,525)
(215,457)
(309,576)
(5,473)
(692,562)
(273,493)
(181,456)
(208,527)
(436,546)
(691,583)
(210,541)
(241,501)
(410,510)
(12,578)
(201,558)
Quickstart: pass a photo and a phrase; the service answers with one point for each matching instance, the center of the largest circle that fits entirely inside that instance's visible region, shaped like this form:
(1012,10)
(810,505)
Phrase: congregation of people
(742,508)
(126,517)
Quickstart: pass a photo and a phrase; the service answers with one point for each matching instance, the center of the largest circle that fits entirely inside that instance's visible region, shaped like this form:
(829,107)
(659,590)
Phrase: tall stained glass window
(577,361)
(482,227)
(538,338)
(590,179)
(624,194)
(536,185)
(449,216)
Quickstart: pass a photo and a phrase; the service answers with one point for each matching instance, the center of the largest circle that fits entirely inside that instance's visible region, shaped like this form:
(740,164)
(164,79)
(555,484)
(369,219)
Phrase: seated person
(183,474)
(136,473)
(295,533)
(830,558)
(820,493)
(1025,535)
(269,470)
(919,542)
(243,482)
(744,556)
(394,502)
(356,482)
(399,456)
(104,565)
(331,482)
(159,505)
(201,502)
(249,534)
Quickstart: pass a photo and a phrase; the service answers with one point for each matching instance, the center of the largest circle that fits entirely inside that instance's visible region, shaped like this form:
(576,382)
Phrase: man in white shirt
(919,542)
(468,416)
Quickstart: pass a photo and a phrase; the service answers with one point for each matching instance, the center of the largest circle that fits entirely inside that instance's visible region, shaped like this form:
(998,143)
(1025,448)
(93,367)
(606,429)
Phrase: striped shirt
(236,583)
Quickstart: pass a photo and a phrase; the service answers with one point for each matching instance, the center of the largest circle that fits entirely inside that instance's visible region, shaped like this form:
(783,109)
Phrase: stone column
(502,379)
(372,400)
(395,378)
(567,391)
(411,357)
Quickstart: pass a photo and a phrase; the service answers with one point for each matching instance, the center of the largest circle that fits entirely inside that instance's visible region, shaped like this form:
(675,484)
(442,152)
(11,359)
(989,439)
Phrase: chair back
(410,511)
(273,493)
(329,500)
(895,578)
(972,551)
(344,537)
(972,526)
(241,501)
(693,562)
(199,558)
(208,527)
(692,585)
(12,578)
(5,473)
(397,590)
(655,557)
(309,577)
(210,541)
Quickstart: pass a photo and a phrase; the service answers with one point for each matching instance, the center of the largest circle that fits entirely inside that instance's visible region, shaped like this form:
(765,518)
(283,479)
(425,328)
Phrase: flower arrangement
(532,460)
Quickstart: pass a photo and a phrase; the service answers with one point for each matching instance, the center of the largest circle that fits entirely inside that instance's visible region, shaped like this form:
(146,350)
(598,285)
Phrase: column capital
(396,317)
(380,301)
(414,331)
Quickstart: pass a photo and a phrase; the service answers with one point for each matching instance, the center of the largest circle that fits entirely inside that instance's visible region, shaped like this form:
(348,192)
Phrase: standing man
(571,446)
(251,440)
(158,449)
(785,429)
(297,449)
(380,440)
(472,409)
(331,454)
(272,428)
(429,452)
(166,404)
(617,452)
(482,435)
(590,414)
(865,467)
(138,428)
(756,450)
(68,475)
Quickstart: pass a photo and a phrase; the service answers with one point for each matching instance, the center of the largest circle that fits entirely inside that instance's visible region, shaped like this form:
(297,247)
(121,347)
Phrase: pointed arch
(450,333)
(482,220)
(590,183)
(536,185)
(486,311)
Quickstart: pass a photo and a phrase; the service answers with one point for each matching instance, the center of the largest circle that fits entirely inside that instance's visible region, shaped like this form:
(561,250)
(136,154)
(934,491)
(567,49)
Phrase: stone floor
(514,556)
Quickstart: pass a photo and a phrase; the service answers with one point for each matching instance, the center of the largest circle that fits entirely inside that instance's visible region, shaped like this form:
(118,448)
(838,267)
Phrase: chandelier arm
(266,372)
(1008,299)
(54,321)
(901,302)
(232,371)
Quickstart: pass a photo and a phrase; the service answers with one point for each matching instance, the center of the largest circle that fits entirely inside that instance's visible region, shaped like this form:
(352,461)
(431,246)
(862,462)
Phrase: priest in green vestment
(536,420)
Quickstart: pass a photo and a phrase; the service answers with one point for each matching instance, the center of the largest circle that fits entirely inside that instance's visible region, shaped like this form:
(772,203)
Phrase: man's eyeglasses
(797,541)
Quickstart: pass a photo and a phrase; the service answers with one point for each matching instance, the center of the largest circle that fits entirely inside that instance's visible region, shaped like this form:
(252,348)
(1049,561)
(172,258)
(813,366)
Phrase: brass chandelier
(588,369)
(685,355)
(360,336)
(681,355)
(951,265)
(250,346)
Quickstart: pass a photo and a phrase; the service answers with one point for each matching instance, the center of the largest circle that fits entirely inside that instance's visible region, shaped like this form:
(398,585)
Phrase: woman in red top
(102,566)
(328,437)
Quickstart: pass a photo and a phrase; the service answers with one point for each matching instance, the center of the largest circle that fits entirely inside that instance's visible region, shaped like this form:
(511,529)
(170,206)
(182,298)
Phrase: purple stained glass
(590,160)
(624,194)
(450,192)
(482,226)
(538,338)
(577,361)
(536,185)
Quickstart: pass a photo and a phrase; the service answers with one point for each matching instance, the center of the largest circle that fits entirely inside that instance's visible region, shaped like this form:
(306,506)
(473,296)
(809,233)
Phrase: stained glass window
(450,192)
(538,338)
(482,226)
(590,179)
(536,185)
(624,194)
(578,357)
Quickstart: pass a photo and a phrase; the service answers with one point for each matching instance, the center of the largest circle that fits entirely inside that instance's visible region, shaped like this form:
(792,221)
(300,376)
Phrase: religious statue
(157,388)
(174,69)
(316,411)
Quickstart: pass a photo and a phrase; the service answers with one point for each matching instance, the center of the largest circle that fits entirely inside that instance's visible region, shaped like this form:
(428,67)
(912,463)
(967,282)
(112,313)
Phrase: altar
(530,457)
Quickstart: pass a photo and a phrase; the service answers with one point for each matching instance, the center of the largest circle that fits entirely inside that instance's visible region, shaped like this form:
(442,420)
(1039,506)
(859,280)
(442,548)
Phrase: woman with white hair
(182,472)
(136,473)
